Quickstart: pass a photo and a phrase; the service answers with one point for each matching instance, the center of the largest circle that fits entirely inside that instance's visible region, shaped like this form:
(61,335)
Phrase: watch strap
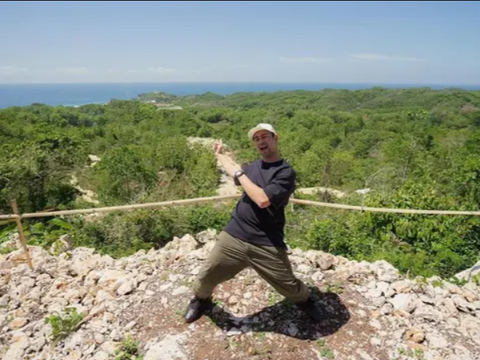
(237,174)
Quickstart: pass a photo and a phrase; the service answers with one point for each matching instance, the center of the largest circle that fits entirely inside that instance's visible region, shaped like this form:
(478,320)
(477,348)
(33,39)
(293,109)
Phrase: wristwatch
(236,175)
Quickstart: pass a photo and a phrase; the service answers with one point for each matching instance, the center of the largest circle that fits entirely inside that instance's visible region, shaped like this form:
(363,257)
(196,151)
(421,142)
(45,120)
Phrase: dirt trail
(227,186)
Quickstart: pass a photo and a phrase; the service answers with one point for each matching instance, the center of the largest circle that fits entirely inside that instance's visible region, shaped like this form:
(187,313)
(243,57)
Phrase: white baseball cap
(259,127)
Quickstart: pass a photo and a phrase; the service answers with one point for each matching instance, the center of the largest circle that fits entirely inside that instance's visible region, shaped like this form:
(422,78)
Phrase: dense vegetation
(413,148)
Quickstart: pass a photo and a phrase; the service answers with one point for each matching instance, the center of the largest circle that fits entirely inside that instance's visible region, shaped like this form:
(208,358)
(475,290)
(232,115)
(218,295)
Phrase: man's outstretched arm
(256,193)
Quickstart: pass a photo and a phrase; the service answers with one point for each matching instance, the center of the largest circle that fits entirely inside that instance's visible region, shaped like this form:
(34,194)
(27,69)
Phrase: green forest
(413,148)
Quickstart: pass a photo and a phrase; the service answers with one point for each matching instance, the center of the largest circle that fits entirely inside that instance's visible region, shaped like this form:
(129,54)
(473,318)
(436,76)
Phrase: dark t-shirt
(265,226)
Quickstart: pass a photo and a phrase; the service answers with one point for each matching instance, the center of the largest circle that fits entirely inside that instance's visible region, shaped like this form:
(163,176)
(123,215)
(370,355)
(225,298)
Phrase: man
(255,234)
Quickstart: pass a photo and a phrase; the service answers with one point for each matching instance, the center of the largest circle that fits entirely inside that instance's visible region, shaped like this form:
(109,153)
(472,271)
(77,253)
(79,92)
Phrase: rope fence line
(132,207)
(231,197)
(17,216)
(120,208)
(385,210)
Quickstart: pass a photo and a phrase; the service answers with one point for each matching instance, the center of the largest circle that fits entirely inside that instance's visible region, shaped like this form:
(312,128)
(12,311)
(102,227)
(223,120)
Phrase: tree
(122,176)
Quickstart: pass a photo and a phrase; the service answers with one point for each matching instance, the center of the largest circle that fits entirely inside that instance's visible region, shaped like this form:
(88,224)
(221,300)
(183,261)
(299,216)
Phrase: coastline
(74,95)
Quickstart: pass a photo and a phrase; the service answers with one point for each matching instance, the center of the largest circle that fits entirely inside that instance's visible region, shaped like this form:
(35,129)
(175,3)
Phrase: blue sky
(339,42)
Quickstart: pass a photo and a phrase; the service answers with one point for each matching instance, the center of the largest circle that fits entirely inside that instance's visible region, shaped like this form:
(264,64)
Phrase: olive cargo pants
(230,255)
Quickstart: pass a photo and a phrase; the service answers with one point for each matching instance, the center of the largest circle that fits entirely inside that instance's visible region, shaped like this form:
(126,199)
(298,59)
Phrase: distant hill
(376,98)
(158,97)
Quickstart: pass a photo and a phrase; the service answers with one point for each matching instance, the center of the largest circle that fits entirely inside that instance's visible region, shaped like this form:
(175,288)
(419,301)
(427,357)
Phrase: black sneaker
(311,309)
(196,308)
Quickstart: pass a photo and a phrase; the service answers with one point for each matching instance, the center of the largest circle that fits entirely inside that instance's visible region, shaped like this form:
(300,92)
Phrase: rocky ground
(370,310)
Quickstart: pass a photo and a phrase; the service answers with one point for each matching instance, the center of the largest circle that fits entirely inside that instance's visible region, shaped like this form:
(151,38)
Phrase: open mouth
(264,147)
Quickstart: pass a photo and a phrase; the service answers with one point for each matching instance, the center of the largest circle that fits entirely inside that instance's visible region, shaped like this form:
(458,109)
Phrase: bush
(122,176)
(122,234)
(128,350)
(63,326)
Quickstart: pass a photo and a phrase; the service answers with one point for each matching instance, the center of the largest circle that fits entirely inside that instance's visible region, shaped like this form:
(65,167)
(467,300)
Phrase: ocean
(81,94)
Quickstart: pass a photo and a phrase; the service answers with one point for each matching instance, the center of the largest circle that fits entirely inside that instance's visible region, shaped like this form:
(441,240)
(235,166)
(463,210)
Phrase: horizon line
(242,82)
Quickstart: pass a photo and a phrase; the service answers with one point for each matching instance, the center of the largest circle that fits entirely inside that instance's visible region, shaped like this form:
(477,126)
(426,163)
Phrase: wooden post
(20,232)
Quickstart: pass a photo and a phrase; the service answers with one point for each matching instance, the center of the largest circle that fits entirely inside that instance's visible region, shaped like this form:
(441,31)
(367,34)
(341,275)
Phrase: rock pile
(371,311)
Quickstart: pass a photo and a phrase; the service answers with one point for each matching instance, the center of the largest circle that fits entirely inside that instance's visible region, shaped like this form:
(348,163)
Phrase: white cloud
(154,70)
(379,57)
(161,70)
(12,70)
(304,59)
(74,70)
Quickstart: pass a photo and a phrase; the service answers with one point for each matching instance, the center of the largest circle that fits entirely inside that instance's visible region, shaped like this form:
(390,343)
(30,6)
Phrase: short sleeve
(281,187)
(246,168)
